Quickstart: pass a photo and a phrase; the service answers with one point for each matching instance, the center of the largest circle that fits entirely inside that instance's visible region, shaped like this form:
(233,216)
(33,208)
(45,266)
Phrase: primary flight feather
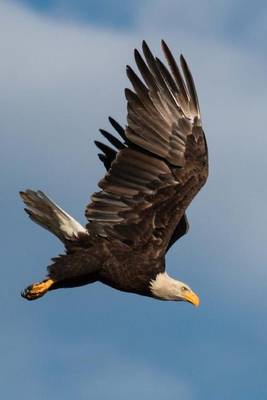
(155,167)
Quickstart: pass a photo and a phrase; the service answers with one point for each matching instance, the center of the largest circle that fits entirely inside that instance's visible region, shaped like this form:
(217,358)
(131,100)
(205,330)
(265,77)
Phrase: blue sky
(62,72)
(117,14)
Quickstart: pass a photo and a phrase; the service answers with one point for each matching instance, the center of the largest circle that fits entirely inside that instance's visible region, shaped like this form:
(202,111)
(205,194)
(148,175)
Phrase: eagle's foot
(37,290)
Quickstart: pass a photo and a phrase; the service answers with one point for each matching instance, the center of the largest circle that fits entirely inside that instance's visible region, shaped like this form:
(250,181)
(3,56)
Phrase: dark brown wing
(181,229)
(108,155)
(161,165)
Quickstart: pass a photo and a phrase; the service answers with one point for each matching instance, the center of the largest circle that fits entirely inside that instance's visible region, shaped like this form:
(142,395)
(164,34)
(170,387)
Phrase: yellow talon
(37,290)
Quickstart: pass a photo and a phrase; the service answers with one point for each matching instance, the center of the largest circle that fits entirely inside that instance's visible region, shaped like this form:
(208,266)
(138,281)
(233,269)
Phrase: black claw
(25,294)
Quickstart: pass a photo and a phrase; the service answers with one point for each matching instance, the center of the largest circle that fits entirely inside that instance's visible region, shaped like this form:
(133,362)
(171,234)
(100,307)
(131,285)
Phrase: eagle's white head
(164,287)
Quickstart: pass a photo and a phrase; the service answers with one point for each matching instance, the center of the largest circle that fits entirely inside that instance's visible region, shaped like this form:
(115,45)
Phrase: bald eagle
(155,167)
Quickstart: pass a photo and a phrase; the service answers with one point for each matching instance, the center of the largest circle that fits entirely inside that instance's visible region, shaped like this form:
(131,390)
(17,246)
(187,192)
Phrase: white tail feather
(50,216)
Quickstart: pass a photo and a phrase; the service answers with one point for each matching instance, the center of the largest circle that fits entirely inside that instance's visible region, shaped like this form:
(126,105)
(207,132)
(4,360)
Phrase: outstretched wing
(162,163)
(108,155)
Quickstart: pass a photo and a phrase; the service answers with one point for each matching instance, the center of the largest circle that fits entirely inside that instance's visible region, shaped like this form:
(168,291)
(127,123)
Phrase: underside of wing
(159,162)
(108,155)
(134,187)
(162,113)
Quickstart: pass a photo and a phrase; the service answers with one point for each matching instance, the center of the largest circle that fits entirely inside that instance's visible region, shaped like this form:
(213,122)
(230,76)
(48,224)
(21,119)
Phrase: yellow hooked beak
(192,298)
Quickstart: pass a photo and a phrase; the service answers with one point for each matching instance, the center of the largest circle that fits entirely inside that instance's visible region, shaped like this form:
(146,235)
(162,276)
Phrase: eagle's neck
(164,287)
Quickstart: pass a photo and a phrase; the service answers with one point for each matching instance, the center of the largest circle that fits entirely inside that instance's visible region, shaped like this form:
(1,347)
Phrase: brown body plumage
(153,173)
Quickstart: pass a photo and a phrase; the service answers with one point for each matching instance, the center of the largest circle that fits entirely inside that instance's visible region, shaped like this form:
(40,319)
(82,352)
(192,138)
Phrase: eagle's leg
(38,289)
(77,268)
